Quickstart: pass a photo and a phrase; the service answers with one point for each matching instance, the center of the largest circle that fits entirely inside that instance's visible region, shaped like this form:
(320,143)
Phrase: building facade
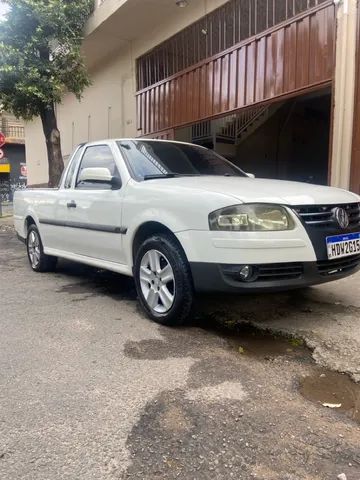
(13,170)
(270,84)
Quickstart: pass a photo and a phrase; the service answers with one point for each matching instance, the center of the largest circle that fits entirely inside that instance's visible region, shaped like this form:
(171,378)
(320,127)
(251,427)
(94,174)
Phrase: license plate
(343,245)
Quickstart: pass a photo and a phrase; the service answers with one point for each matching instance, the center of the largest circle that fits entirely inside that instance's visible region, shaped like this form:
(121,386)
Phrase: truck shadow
(222,310)
(90,282)
(270,307)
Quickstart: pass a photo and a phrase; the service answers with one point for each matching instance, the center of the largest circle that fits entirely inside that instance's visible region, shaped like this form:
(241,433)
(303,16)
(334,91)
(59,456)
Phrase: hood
(251,190)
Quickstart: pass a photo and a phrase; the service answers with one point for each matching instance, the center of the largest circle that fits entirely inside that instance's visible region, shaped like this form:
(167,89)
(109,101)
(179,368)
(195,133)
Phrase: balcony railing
(228,25)
(292,57)
(14,132)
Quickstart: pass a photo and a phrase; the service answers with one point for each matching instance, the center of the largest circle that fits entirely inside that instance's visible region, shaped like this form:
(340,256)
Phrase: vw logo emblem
(341,217)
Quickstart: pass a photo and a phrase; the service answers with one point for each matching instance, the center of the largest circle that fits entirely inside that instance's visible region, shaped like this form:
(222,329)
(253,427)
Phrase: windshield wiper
(170,175)
(160,175)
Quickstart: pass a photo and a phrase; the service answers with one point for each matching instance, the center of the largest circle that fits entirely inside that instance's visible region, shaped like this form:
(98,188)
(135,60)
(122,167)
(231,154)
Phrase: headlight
(251,217)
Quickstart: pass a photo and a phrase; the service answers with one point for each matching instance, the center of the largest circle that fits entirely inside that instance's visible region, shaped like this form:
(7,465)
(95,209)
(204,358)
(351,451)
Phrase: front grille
(320,216)
(341,265)
(268,272)
(279,271)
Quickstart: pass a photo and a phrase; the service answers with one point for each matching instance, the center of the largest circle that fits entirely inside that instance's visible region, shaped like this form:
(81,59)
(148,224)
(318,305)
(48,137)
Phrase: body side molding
(85,226)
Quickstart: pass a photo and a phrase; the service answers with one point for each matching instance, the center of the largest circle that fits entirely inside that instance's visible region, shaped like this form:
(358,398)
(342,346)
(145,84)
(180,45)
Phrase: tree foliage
(40,60)
(40,57)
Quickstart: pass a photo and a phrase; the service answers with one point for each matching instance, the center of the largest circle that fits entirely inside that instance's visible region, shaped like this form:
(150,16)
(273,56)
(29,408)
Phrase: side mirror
(95,174)
(250,175)
(99,175)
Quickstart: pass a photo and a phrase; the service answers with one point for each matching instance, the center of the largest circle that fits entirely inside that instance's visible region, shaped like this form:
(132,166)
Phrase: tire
(161,255)
(39,261)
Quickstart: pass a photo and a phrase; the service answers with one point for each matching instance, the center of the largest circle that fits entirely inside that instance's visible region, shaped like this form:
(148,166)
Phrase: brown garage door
(290,58)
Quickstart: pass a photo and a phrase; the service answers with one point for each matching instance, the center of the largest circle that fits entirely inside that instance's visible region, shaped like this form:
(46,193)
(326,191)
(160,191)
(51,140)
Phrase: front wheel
(163,280)
(39,261)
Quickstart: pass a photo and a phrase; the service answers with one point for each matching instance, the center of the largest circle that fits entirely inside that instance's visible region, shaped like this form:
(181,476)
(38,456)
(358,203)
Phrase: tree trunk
(53,145)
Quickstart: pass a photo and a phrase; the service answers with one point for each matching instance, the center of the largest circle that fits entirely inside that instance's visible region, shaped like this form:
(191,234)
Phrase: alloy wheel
(34,249)
(157,281)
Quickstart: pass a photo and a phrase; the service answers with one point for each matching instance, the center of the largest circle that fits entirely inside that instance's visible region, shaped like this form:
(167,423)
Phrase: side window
(97,156)
(71,171)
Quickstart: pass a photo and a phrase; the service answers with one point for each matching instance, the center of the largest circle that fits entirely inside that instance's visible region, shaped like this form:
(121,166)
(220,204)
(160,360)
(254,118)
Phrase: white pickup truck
(179,218)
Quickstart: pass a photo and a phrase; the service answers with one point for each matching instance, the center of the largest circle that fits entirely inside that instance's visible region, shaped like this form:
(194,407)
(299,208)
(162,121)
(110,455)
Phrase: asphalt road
(90,389)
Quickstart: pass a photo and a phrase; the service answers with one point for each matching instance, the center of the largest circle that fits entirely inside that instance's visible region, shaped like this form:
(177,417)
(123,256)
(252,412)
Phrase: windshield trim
(138,179)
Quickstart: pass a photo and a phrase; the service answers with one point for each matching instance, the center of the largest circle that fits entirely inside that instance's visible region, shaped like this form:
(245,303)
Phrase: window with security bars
(226,26)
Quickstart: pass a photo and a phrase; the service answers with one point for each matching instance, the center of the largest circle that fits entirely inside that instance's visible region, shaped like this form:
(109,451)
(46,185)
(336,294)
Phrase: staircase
(233,128)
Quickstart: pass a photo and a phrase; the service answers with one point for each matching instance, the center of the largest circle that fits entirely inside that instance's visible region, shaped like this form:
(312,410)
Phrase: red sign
(1,154)
(2,139)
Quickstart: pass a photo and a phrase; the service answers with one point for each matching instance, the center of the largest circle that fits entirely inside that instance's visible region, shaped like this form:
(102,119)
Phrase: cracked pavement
(89,388)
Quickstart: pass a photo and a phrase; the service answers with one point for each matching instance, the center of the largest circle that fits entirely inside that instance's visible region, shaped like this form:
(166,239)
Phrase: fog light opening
(246,273)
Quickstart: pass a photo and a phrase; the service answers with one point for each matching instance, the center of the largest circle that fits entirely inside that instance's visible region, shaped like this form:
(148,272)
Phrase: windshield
(153,159)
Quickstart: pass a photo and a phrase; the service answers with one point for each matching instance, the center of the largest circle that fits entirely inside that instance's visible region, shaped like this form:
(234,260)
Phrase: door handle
(71,204)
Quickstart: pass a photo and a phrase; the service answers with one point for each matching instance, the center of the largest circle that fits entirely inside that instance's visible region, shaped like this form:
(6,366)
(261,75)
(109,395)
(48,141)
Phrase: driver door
(94,210)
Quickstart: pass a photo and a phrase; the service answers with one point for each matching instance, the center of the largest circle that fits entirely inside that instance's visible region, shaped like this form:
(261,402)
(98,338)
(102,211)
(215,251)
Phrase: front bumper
(212,277)
(282,260)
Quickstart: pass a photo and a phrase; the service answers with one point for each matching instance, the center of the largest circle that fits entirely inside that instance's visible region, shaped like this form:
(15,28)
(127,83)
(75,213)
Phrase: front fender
(172,223)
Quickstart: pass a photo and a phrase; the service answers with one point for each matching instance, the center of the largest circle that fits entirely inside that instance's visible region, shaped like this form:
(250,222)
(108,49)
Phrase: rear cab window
(72,168)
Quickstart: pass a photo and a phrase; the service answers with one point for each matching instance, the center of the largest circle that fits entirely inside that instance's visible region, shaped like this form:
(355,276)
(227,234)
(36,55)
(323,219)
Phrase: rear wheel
(39,261)
(163,280)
